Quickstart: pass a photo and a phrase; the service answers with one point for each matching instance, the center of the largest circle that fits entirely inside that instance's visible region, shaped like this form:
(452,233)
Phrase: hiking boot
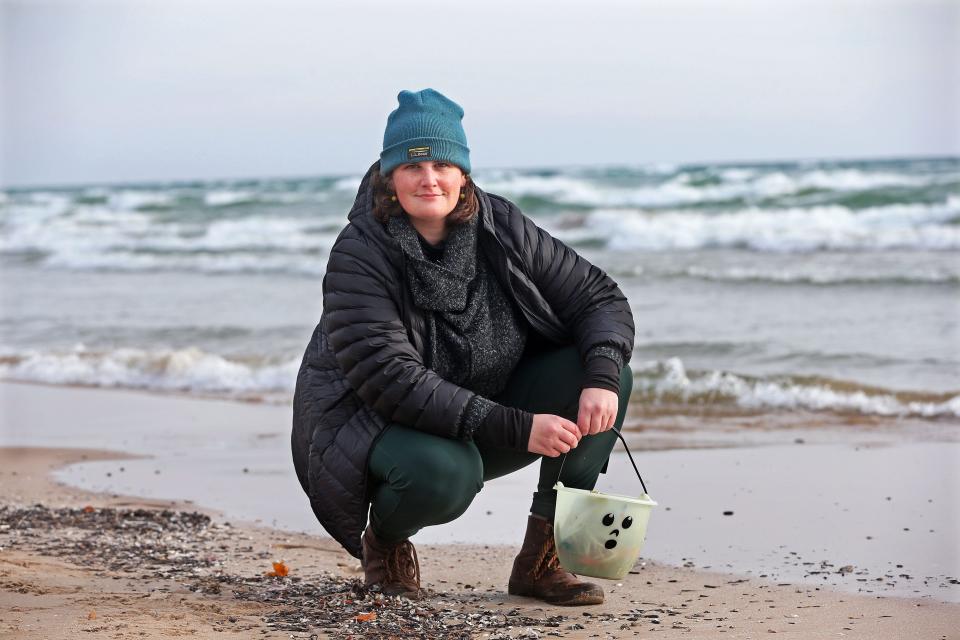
(537,572)
(392,566)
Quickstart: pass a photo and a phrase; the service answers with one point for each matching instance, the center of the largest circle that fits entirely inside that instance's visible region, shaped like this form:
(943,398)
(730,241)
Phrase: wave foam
(93,237)
(349,184)
(136,200)
(658,382)
(220,198)
(913,226)
(169,370)
(815,275)
(226,198)
(698,187)
(669,381)
(236,262)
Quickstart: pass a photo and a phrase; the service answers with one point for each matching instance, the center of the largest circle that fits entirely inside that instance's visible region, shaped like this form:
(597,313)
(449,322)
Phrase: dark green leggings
(419,479)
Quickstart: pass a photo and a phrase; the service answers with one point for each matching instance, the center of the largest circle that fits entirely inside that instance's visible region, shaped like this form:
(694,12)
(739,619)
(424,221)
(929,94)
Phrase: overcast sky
(127,91)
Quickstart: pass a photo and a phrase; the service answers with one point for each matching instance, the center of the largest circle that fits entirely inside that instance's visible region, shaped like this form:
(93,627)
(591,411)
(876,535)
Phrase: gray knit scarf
(464,303)
(443,286)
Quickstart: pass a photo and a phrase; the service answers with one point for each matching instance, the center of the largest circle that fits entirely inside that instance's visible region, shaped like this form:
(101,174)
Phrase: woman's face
(429,190)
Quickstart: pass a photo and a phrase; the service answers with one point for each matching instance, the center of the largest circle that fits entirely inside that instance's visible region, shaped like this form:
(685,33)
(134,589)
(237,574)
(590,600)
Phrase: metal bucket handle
(619,435)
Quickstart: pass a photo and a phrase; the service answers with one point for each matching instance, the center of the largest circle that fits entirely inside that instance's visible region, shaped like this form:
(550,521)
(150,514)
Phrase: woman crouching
(459,342)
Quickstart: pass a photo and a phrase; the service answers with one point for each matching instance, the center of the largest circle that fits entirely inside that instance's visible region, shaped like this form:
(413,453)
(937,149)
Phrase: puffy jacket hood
(361,214)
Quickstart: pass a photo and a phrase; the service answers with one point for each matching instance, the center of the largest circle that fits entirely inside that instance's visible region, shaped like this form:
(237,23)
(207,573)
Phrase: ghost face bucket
(600,534)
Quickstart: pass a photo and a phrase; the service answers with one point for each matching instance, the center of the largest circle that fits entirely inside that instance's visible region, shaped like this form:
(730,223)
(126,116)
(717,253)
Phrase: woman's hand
(552,435)
(598,411)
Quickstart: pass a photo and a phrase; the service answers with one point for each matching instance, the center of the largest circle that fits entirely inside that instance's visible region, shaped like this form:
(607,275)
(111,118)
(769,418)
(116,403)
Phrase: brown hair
(385,203)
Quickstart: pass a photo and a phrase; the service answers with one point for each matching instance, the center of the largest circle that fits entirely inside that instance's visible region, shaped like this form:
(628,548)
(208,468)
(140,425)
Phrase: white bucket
(599,534)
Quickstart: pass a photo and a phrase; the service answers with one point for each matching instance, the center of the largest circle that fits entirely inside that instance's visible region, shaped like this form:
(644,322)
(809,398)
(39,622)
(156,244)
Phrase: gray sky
(126,91)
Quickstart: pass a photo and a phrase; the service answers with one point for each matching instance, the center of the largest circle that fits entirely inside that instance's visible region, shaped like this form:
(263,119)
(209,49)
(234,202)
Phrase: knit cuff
(603,368)
(486,422)
(473,416)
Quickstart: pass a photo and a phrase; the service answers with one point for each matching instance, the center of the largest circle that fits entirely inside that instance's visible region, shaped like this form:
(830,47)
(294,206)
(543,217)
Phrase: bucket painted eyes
(608,519)
(627,522)
(610,544)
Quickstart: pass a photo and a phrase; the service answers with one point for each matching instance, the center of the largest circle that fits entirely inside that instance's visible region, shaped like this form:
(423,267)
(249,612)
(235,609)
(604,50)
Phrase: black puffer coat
(363,367)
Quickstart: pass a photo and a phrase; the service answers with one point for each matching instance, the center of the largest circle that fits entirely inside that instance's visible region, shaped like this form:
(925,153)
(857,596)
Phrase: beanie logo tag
(418,152)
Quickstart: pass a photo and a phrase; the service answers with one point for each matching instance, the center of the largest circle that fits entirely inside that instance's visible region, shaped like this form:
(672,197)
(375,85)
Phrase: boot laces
(547,559)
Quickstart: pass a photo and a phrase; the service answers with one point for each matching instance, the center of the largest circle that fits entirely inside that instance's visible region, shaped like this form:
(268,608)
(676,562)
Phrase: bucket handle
(619,435)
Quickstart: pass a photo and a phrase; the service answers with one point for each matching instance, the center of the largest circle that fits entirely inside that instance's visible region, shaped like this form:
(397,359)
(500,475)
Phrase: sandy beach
(116,563)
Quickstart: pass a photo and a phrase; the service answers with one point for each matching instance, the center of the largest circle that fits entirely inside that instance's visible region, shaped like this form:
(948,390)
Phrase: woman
(459,342)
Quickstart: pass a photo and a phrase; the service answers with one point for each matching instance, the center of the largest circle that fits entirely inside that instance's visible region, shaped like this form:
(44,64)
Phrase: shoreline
(729,427)
(46,596)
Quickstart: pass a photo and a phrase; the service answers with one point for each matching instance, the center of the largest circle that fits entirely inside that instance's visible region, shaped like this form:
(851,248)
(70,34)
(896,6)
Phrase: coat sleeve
(585,299)
(373,349)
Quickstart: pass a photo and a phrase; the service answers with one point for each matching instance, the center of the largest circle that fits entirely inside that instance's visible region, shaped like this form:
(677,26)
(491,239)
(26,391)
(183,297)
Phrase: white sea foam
(676,191)
(40,204)
(71,233)
(86,228)
(583,192)
(168,370)
(228,198)
(236,262)
(737,174)
(859,180)
(194,370)
(907,226)
(349,184)
(95,237)
(28,214)
(264,233)
(814,273)
(224,198)
(670,379)
(662,168)
(130,200)
(682,190)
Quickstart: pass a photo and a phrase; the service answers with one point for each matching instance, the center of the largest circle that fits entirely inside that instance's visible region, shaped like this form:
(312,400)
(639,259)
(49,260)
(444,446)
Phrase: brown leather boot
(537,572)
(394,567)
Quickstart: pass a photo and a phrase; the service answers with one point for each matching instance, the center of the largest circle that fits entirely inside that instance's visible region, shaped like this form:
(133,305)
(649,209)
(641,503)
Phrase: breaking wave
(668,382)
(665,382)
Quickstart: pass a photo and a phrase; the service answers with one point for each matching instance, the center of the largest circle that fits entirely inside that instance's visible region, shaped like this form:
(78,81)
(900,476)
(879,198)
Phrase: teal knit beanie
(426,126)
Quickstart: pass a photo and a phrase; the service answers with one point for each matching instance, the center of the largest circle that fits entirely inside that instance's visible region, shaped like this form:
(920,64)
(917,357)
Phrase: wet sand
(46,595)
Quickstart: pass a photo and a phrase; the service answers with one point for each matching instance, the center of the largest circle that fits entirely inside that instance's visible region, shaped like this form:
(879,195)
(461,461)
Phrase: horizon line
(678,165)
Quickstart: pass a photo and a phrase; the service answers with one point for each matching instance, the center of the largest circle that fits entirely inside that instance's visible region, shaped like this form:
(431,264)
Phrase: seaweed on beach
(189,548)
(152,543)
(344,608)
